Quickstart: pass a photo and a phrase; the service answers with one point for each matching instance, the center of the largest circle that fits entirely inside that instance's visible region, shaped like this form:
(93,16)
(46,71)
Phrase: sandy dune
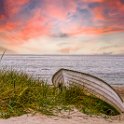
(75,117)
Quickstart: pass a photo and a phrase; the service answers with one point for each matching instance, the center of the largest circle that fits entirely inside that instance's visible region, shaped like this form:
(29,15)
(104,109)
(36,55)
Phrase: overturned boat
(95,85)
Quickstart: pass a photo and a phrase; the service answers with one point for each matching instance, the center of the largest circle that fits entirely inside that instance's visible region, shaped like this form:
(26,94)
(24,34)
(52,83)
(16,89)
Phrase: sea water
(110,68)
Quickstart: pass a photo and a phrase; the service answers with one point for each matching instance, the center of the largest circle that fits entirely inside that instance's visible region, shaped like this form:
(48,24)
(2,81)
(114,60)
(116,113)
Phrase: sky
(62,26)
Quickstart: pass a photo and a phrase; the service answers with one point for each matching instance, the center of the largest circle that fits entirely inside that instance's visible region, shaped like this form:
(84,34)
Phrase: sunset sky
(62,26)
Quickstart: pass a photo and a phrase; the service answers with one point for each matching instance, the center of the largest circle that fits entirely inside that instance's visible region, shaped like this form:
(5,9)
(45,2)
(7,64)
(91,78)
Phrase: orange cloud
(18,32)
(98,14)
(9,26)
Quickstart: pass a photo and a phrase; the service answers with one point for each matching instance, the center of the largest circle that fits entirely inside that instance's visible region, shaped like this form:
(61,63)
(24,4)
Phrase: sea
(110,68)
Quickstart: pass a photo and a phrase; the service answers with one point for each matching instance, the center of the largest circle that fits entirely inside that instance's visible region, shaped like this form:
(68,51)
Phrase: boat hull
(95,85)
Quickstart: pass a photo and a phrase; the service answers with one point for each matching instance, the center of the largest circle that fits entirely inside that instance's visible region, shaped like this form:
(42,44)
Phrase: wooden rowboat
(95,85)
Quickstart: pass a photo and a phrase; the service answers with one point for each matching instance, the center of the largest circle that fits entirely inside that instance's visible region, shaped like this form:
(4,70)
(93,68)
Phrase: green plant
(20,94)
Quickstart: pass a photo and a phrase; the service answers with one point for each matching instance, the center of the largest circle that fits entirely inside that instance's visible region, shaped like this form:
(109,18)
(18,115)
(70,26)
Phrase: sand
(120,90)
(74,117)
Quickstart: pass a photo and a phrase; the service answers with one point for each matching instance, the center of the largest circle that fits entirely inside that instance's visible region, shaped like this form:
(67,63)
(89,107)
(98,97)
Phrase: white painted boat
(95,85)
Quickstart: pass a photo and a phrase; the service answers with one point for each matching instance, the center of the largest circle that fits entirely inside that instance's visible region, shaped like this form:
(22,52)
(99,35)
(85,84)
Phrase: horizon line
(64,54)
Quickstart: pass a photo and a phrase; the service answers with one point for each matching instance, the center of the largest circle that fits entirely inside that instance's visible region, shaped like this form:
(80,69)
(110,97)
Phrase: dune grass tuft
(20,94)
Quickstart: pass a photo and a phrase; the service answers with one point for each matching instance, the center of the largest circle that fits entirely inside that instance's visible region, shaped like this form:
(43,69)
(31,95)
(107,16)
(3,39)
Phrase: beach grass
(21,94)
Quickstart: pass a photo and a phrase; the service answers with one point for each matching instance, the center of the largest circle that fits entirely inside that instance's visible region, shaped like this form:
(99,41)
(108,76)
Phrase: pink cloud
(9,26)
(107,18)
(36,26)
(68,50)
(2,17)
(89,1)
(59,8)
(92,30)
(98,14)
(13,7)
(40,23)
(114,8)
